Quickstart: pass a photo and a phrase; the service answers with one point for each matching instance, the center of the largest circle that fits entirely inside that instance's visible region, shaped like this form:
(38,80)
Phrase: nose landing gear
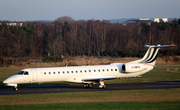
(15,88)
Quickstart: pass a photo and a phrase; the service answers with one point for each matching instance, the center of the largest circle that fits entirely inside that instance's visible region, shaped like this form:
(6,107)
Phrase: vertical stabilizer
(151,54)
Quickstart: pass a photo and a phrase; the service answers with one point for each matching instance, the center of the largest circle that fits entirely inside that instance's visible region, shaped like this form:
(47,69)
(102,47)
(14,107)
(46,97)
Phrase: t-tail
(151,54)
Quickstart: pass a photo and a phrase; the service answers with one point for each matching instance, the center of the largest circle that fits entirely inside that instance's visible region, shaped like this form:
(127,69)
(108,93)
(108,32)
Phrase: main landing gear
(102,85)
(90,85)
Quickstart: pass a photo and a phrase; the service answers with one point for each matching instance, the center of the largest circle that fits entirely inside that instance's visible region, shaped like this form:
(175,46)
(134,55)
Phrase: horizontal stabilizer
(159,45)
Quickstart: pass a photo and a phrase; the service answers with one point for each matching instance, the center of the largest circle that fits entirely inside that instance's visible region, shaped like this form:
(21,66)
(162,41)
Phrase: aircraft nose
(8,80)
(5,81)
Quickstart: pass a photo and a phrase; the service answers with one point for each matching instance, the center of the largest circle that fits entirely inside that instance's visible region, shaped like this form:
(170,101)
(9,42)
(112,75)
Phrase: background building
(158,19)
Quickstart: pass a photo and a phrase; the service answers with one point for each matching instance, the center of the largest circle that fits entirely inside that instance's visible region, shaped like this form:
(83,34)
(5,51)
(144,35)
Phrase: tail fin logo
(152,55)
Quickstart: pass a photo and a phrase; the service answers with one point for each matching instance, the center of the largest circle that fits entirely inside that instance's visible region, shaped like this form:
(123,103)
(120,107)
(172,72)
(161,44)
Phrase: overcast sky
(22,10)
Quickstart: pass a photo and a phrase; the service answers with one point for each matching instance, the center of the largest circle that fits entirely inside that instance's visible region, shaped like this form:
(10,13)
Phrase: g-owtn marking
(88,75)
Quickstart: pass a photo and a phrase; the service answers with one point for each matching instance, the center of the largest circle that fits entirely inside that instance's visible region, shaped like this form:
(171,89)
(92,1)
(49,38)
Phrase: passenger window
(103,70)
(115,69)
(99,70)
(85,71)
(54,73)
(67,71)
(89,70)
(45,73)
(94,70)
(81,71)
(111,69)
(49,72)
(58,72)
(63,72)
(26,73)
(71,71)
(107,69)
(76,71)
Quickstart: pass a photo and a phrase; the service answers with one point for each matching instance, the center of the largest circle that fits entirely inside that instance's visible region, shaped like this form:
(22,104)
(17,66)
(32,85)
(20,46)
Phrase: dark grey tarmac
(81,88)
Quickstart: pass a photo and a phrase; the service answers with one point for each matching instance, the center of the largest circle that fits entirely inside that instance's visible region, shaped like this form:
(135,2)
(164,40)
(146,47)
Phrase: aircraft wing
(106,78)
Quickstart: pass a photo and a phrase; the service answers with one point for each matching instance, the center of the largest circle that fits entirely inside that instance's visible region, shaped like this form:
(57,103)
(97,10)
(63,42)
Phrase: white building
(144,19)
(157,19)
(14,24)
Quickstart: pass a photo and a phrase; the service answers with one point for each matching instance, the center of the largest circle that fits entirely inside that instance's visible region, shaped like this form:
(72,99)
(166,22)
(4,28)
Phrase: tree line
(65,36)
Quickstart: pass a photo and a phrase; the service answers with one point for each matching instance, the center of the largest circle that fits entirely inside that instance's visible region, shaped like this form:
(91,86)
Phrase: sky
(29,10)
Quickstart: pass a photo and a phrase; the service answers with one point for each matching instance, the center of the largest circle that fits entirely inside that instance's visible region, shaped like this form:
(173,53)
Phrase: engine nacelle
(133,67)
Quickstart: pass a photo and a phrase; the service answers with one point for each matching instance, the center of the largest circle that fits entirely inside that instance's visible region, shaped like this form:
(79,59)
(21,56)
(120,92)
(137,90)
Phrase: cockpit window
(26,73)
(23,72)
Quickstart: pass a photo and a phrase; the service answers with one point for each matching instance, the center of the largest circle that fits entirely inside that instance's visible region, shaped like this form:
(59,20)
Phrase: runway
(81,88)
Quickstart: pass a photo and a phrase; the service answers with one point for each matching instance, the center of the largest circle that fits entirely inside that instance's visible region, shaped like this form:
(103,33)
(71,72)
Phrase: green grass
(99,96)
(165,105)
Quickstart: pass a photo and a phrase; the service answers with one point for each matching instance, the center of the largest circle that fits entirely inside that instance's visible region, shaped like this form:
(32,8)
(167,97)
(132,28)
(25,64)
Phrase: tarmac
(81,88)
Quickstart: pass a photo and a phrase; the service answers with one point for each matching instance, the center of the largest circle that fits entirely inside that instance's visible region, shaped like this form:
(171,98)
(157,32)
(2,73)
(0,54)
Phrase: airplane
(88,75)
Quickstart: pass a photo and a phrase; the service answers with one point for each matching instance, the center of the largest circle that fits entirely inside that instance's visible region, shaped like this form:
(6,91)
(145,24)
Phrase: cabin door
(34,75)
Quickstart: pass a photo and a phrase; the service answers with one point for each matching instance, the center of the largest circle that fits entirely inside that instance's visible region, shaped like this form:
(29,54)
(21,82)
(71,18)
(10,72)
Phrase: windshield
(23,73)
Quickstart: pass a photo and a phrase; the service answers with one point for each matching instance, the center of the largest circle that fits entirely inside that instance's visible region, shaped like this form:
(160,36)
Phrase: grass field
(124,99)
(165,105)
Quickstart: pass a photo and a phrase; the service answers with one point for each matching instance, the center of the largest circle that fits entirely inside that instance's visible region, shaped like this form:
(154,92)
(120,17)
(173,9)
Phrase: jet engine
(133,67)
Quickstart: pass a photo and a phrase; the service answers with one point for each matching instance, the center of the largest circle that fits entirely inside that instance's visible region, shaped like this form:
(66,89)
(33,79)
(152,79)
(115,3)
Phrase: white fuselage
(76,74)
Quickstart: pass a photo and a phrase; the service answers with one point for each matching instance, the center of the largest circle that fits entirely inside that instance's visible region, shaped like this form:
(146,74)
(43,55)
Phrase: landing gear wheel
(104,87)
(15,88)
(88,85)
